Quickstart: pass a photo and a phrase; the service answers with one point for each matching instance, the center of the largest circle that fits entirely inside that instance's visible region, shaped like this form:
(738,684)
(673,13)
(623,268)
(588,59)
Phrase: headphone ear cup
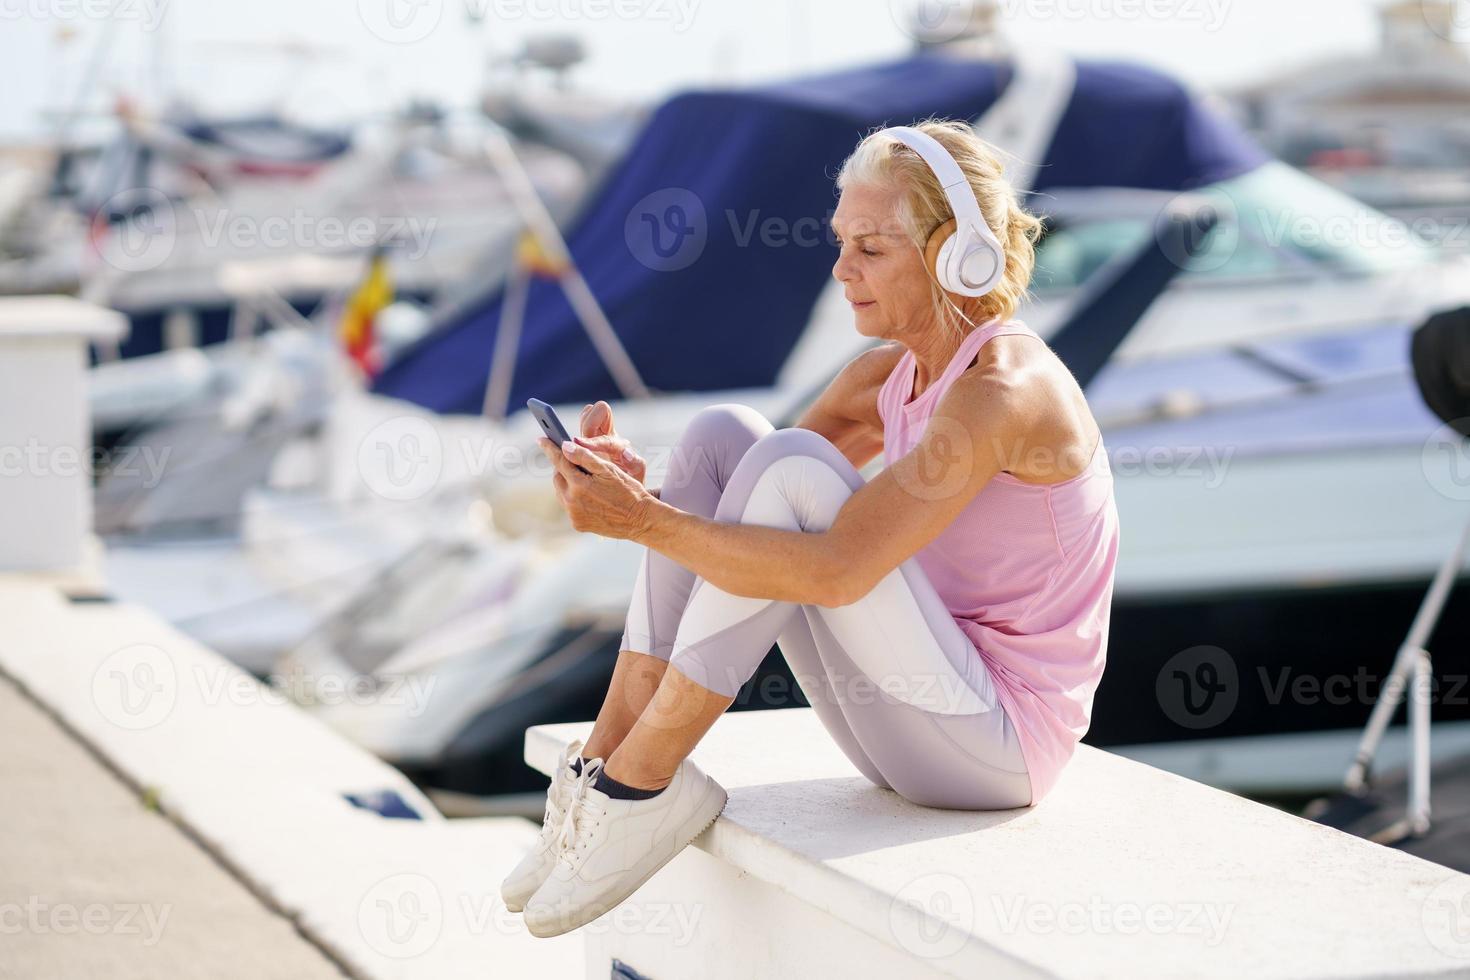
(936,252)
(979,265)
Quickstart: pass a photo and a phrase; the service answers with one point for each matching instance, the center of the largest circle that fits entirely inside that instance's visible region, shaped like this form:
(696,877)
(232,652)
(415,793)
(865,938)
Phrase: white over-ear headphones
(971,261)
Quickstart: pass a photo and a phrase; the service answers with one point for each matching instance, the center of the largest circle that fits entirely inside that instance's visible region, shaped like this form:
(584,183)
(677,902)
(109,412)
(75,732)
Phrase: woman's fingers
(597,420)
(564,467)
(609,447)
(619,452)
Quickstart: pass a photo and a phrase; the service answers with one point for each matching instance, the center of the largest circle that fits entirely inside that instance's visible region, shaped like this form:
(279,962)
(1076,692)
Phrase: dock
(170,815)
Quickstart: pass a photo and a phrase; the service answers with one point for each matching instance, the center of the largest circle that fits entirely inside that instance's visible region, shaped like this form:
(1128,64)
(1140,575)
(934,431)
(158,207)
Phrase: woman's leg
(915,702)
(702,464)
(699,467)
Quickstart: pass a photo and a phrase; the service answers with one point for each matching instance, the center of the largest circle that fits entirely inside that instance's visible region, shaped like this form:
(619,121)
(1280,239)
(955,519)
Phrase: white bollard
(45,428)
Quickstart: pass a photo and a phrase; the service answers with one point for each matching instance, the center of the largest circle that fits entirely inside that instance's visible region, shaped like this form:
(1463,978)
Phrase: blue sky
(643,48)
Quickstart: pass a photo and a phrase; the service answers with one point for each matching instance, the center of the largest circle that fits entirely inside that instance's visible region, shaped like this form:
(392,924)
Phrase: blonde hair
(923,207)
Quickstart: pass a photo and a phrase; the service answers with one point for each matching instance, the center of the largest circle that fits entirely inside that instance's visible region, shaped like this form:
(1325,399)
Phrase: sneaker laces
(564,777)
(581,810)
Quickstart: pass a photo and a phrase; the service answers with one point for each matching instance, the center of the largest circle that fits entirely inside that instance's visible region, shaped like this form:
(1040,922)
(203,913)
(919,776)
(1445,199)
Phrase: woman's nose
(841,270)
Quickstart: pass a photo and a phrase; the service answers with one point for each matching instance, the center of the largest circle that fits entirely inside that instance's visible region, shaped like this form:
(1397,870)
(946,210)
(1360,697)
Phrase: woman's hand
(605,500)
(599,436)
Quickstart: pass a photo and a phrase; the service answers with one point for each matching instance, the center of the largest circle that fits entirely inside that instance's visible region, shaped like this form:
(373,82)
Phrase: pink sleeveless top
(1027,572)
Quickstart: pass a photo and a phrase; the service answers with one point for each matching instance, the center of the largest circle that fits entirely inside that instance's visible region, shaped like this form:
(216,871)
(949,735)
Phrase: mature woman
(947,620)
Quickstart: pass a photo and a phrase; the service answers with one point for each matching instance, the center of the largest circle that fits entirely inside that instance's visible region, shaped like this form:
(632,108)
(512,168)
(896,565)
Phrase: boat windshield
(1275,221)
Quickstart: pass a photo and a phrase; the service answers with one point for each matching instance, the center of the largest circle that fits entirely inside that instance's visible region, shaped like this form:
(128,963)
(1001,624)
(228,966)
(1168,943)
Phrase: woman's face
(881,270)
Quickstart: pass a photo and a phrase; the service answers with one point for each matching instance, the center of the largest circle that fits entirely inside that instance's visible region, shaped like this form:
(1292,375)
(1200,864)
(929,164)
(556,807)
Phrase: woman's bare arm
(846,412)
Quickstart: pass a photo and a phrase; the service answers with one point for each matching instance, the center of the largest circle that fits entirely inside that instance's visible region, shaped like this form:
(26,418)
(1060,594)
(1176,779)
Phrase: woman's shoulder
(880,360)
(869,370)
(1024,381)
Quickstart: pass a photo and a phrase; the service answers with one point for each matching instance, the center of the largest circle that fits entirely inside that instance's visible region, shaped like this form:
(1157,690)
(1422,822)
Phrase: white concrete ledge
(1123,871)
(52,317)
(260,784)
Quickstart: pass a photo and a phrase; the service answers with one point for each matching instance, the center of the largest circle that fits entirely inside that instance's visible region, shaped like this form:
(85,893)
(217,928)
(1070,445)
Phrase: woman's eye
(869,251)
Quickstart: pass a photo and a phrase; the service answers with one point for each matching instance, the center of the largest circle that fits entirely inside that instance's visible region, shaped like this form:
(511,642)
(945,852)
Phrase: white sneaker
(609,847)
(527,876)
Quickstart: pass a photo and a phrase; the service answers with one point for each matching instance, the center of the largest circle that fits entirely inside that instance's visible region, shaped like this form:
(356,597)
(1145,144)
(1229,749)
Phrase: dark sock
(577,765)
(622,791)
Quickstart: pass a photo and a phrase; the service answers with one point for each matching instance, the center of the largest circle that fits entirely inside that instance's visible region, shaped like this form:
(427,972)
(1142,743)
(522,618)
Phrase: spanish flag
(359,315)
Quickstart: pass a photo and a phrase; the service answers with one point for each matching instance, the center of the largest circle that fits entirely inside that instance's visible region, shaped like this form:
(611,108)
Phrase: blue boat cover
(708,243)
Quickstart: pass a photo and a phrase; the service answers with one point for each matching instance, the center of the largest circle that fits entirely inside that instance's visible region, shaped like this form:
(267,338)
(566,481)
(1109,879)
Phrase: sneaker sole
(513,905)
(609,902)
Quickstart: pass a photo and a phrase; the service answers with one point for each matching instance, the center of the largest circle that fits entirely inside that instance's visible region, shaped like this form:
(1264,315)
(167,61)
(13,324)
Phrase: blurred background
(351,240)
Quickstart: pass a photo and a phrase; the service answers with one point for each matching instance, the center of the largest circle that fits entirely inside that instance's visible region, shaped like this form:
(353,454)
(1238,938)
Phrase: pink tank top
(1027,572)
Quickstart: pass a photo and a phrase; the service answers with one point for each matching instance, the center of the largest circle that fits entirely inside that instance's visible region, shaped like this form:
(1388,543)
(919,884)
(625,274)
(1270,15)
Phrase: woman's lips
(858,306)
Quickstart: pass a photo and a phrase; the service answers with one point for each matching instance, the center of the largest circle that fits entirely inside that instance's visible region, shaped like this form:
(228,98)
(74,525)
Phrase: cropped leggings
(892,677)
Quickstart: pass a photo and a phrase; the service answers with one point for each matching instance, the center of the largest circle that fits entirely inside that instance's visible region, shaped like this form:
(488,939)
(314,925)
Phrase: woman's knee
(716,437)
(725,423)
(794,472)
(794,441)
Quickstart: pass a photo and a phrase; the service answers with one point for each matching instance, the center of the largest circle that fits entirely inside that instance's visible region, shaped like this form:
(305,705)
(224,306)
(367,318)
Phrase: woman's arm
(743,559)
(846,412)
(986,421)
(785,564)
(884,522)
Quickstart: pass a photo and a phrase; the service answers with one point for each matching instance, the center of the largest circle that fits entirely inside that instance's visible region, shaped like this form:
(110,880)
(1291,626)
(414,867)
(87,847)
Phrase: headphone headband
(963,204)
(970,223)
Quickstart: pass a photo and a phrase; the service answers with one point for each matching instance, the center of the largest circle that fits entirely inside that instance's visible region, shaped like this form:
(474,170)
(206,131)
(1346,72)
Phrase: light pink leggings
(892,677)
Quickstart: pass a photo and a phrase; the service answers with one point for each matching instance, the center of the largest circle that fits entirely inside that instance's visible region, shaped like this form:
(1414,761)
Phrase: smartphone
(545,416)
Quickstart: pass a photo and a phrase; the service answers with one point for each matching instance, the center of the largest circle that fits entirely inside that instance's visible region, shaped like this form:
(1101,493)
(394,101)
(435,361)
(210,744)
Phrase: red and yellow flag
(359,316)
